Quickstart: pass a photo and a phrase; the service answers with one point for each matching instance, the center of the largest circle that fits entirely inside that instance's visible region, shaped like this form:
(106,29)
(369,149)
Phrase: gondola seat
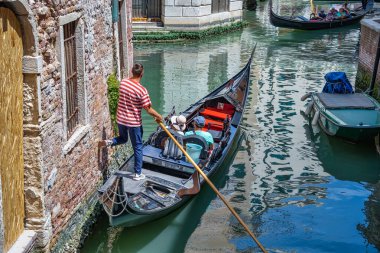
(160,138)
(211,112)
(211,124)
(153,155)
(199,140)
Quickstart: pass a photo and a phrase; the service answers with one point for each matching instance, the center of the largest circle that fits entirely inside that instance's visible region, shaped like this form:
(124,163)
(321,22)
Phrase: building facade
(55,58)
(188,15)
(369,43)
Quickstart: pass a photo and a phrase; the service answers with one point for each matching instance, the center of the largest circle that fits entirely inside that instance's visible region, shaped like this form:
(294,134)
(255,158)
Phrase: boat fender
(309,107)
(306,96)
(315,118)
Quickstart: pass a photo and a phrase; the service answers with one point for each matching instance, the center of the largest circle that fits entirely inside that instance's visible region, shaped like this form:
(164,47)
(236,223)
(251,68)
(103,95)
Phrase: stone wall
(196,14)
(369,37)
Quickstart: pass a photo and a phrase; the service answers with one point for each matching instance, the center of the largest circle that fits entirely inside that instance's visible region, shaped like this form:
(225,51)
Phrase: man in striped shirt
(132,98)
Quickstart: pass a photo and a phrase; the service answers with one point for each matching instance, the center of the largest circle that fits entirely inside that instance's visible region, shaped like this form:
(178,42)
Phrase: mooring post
(375,67)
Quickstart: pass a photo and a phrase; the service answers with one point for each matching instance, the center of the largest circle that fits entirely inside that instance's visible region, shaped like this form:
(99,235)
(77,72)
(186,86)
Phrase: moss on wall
(175,36)
(113,95)
(363,80)
(87,213)
(78,227)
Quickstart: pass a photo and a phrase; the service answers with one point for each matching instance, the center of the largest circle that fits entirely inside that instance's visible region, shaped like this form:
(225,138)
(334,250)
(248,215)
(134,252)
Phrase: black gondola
(297,23)
(169,180)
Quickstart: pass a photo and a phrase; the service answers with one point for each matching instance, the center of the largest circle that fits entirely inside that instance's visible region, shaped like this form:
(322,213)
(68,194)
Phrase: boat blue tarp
(337,83)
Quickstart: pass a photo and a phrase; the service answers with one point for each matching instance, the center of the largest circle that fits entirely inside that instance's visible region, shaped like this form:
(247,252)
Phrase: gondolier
(132,98)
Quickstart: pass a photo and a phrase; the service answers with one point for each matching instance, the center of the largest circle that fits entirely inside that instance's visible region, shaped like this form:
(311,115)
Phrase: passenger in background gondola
(342,14)
(346,9)
(329,16)
(364,4)
(322,14)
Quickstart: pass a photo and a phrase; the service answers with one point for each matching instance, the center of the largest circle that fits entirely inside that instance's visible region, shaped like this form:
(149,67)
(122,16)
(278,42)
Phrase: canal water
(298,189)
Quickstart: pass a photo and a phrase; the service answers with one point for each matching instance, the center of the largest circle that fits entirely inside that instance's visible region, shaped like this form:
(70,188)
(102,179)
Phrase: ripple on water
(298,189)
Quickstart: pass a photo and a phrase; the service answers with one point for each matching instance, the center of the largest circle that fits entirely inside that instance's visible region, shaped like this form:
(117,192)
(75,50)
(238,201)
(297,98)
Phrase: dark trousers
(136,134)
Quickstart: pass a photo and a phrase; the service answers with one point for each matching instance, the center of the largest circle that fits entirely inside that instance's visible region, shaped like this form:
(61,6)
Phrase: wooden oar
(212,186)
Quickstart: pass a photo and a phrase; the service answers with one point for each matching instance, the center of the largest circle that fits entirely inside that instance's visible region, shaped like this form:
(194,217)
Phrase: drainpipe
(115,11)
(375,67)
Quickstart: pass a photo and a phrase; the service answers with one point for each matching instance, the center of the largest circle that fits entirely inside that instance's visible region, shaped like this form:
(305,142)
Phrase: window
(220,6)
(71,77)
(121,44)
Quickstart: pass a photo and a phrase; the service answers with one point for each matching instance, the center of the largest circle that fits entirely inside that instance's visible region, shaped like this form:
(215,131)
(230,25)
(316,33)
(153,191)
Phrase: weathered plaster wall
(369,37)
(196,14)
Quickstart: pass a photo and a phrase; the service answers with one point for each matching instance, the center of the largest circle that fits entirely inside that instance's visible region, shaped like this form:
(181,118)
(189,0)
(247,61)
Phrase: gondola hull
(130,203)
(292,23)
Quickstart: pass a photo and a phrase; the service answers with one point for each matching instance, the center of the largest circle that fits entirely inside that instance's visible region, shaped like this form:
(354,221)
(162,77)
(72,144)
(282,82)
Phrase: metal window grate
(71,74)
(121,48)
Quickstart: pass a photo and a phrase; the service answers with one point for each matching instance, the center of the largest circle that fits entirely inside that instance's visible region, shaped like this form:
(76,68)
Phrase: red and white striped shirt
(132,98)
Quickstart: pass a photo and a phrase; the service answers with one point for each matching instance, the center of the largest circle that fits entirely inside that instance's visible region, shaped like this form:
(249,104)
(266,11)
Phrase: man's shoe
(138,177)
(104,143)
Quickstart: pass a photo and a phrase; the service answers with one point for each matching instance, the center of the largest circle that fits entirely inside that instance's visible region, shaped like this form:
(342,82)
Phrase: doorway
(146,10)
(11,127)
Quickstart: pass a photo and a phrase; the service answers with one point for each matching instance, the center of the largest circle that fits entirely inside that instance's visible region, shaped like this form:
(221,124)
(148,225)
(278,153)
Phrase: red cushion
(213,125)
(214,113)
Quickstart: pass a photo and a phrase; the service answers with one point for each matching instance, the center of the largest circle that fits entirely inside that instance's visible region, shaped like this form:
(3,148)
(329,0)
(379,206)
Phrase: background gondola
(297,23)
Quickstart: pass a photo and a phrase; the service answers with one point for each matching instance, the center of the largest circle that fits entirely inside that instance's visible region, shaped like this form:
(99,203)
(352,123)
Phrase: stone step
(146,24)
(139,27)
(25,242)
(142,31)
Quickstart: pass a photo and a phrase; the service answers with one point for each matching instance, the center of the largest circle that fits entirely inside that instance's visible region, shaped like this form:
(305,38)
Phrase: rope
(111,196)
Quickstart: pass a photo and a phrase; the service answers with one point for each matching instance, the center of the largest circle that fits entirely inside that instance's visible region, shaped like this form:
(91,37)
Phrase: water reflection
(181,74)
(371,230)
(345,160)
(168,234)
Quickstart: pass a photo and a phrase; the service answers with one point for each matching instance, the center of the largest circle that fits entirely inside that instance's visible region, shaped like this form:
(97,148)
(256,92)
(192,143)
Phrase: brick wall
(71,171)
(369,37)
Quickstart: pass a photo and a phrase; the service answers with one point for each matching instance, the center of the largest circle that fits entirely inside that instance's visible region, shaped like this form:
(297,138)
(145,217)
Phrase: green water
(298,189)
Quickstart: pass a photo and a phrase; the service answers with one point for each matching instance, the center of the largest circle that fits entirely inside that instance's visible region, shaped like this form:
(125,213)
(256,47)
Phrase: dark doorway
(146,10)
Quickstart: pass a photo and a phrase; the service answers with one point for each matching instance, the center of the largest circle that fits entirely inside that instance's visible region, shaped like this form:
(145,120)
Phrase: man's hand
(158,119)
